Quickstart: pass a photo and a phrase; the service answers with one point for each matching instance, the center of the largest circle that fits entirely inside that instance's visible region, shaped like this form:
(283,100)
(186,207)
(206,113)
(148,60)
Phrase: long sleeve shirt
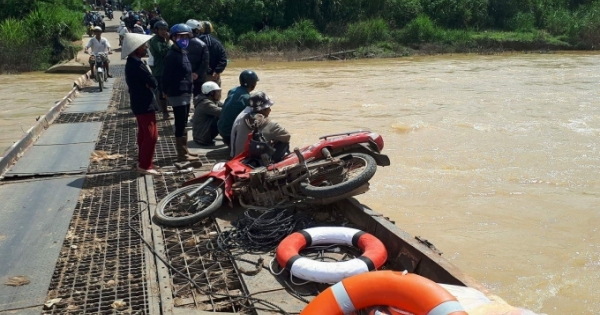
(139,81)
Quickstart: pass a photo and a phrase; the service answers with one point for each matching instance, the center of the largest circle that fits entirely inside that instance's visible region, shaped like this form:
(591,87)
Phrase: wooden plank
(151,272)
(164,278)
(263,285)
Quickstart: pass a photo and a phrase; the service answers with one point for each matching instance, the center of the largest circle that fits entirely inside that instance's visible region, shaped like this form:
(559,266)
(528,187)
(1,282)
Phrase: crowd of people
(186,62)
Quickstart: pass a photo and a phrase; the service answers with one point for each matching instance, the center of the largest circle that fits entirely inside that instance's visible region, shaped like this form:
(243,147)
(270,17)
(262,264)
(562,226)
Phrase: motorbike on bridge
(99,60)
(338,166)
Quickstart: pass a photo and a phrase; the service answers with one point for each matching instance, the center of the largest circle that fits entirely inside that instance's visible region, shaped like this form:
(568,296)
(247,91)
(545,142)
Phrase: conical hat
(131,42)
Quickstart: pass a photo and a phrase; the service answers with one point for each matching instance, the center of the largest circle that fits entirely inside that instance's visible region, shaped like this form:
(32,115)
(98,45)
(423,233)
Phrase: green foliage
(400,12)
(302,34)
(421,29)
(41,36)
(13,31)
(368,32)
(457,13)
(521,22)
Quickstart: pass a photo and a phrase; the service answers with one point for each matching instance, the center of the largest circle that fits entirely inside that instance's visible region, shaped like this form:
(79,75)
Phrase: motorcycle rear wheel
(338,180)
(177,209)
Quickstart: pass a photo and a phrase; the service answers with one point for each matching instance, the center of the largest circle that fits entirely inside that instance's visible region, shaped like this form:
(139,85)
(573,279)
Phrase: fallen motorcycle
(338,166)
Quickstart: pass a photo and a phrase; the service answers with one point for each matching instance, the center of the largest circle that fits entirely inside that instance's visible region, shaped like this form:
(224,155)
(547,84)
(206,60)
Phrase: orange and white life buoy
(374,253)
(408,292)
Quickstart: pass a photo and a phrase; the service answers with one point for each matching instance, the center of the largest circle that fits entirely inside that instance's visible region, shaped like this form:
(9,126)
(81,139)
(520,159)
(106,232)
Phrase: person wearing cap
(177,82)
(159,47)
(235,103)
(198,53)
(206,114)
(98,44)
(122,30)
(137,28)
(216,52)
(141,84)
(275,134)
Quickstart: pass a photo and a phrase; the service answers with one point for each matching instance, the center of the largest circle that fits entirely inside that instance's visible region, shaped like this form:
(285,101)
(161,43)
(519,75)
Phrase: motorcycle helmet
(161,25)
(259,100)
(97,29)
(193,24)
(205,27)
(210,86)
(122,23)
(248,77)
(179,29)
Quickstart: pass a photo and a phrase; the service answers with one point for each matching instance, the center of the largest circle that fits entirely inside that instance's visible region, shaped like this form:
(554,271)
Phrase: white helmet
(210,86)
(97,28)
(193,24)
(122,23)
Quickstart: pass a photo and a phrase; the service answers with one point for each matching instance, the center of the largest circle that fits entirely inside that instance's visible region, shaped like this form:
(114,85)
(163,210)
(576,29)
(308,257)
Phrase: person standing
(216,52)
(141,85)
(159,47)
(98,44)
(236,101)
(199,57)
(178,83)
(206,114)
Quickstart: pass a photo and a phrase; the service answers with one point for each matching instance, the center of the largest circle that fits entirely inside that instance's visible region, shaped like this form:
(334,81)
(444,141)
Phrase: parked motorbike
(99,72)
(338,166)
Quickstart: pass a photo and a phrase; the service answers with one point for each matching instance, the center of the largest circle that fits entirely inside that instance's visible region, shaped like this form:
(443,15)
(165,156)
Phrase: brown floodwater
(25,97)
(495,159)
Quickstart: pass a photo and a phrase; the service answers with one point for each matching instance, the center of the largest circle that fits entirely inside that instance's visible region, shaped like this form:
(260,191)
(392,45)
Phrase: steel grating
(191,251)
(101,267)
(71,118)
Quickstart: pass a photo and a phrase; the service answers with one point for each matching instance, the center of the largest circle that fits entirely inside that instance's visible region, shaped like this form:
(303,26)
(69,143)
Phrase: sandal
(150,171)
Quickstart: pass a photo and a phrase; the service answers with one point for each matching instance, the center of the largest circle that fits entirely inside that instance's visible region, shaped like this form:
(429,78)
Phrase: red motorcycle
(337,167)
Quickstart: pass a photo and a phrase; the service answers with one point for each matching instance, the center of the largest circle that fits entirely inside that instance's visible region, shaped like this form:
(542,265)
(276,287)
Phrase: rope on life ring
(408,292)
(374,253)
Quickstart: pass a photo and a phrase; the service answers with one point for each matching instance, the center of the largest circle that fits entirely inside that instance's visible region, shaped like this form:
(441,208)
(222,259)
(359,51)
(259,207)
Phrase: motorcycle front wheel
(335,180)
(178,209)
(100,78)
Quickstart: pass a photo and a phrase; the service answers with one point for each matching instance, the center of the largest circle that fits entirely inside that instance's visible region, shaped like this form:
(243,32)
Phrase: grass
(41,38)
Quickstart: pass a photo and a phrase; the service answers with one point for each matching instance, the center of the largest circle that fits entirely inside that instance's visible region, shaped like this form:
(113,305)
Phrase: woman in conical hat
(141,86)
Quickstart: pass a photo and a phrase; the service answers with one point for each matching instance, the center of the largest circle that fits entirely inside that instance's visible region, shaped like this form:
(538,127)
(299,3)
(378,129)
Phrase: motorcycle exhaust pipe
(195,191)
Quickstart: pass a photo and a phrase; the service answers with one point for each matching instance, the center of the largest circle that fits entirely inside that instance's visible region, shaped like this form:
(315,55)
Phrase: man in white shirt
(98,44)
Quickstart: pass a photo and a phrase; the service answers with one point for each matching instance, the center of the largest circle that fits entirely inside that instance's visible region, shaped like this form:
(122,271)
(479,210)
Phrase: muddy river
(495,159)
(25,97)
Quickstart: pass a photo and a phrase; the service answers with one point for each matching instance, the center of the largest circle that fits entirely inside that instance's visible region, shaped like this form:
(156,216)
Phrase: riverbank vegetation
(394,27)
(36,34)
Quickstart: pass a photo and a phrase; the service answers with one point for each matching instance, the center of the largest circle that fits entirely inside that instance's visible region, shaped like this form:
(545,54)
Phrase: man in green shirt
(159,46)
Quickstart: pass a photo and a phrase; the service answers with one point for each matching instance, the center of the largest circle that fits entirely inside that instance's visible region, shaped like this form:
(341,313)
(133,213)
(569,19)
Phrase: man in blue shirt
(236,102)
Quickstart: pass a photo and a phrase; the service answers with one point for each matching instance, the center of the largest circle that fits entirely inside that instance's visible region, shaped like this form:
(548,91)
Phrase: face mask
(183,43)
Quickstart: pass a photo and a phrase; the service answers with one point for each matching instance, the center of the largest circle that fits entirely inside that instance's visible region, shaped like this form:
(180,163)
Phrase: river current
(495,159)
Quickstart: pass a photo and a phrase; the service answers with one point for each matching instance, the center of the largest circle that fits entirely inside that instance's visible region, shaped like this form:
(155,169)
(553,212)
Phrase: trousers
(146,139)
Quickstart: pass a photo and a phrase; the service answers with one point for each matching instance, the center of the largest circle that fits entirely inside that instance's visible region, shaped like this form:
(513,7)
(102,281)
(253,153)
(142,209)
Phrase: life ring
(374,254)
(408,292)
